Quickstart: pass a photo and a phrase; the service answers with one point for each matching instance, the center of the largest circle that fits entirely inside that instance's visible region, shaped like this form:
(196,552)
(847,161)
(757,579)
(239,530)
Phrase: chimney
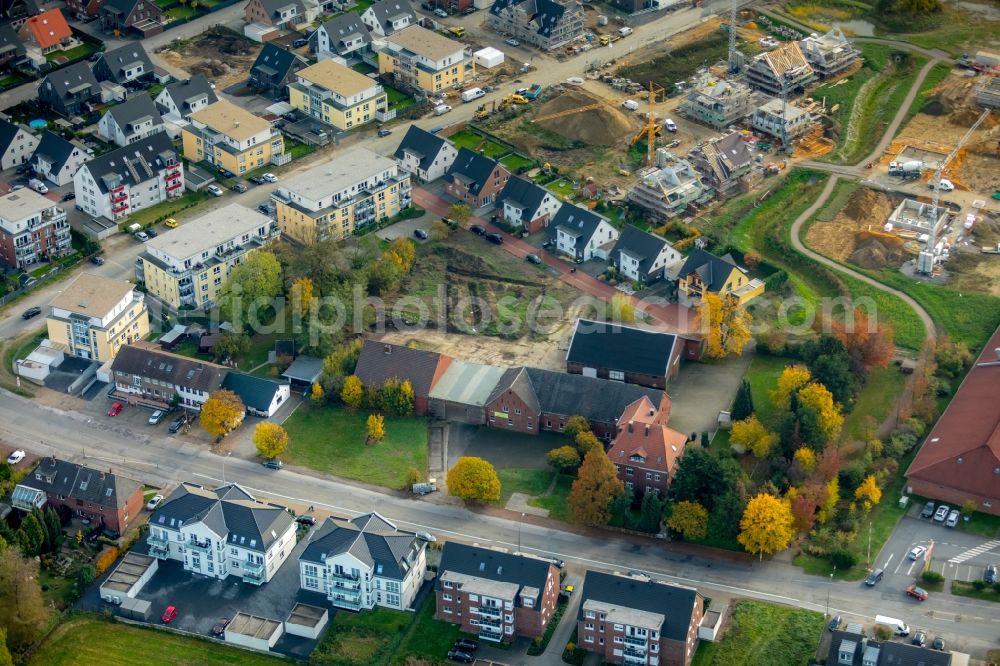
(53,458)
(996,350)
(236,123)
(630,426)
(102,476)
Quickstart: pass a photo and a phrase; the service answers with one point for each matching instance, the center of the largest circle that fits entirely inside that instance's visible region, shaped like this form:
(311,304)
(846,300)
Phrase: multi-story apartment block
(495,594)
(224,135)
(336,95)
(32,229)
(330,201)
(635,620)
(362,563)
(546,24)
(188,265)
(222,532)
(95,316)
(421,59)
(719,103)
(131,178)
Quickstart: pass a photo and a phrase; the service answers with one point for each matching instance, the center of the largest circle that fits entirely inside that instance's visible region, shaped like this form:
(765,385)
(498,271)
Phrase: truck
(908,169)
(898,627)
(472,93)
(533,92)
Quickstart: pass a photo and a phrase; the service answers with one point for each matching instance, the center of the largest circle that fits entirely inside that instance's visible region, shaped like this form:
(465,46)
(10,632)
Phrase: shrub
(883,633)
(843,559)
(931,577)
(996,587)
(979,585)
(106,559)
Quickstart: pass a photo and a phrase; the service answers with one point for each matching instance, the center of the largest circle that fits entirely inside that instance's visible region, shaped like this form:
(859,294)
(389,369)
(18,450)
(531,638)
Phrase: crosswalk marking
(978,550)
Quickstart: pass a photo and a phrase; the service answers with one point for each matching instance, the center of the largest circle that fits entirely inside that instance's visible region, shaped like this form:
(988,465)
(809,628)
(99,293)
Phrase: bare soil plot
(224,56)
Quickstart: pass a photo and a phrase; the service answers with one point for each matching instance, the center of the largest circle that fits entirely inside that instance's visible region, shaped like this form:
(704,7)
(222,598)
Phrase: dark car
(264,208)
(459,656)
(239,187)
(990,575)
(465,645)
(220,627)
(874,577)
(151,232)
(919,638)
(533,259)
(305,520)
(478,229)
(420,233)
(69,196)
(384,131)
(273,463)
(938,644)
(257,180)
(176,424)
(97,260)
(496,239)
(834,623)
(299,43)
(928,511)
(226,173)
(31,312)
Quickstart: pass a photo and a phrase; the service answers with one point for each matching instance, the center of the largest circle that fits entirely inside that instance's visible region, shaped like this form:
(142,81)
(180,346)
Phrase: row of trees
(394,396)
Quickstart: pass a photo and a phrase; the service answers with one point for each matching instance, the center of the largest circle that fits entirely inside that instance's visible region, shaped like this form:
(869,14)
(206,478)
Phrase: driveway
(702,390)
(405,228)
(501,448)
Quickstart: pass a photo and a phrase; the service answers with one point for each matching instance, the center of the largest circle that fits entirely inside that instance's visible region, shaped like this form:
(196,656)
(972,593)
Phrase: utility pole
(228,453)
(868,561)
(521,520)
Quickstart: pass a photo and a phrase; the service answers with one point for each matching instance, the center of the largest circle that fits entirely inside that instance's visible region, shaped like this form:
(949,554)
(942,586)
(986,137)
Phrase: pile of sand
(873,254)
(838,238)
(603,126)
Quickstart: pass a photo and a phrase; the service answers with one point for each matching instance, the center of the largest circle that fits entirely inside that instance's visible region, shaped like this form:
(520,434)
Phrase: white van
(898,626)
(670,126)
(631,104)
(625,32)
(441,109)
(38,186)
(472,93)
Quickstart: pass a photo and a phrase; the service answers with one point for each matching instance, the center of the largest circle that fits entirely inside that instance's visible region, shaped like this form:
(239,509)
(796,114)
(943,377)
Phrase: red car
(220,627)
(116,409)
(169,614)
(917,593)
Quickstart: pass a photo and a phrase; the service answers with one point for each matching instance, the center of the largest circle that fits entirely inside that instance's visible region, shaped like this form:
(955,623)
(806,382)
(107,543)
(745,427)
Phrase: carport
(306,621)
(259,633)
(128,578)
(304,371)
(461,394)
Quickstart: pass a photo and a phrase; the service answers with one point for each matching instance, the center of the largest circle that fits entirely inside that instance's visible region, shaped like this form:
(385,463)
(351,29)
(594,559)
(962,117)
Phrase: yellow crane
(652,128)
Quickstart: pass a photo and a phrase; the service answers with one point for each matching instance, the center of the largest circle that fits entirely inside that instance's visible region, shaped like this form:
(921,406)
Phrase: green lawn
(165,209)
(876,399)
(182,12)
(428,639)
(763,376)
(765,635)
(87,640)
(75,53)
(555,502)
(332,439)
(397,98)
(963,589)
(514,162)
(983,524)
(475,142)
(532,482)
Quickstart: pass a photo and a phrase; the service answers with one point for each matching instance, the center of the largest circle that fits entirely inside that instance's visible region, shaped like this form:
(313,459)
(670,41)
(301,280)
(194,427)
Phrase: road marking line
(973,552)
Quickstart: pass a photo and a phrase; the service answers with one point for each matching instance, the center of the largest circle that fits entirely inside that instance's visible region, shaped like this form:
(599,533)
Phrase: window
(588,639)
(447,609)
(446,597)
(616,375)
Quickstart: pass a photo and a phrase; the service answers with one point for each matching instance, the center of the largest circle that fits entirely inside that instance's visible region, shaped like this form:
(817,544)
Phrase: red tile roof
(963,449)
(48,28)
(643,431)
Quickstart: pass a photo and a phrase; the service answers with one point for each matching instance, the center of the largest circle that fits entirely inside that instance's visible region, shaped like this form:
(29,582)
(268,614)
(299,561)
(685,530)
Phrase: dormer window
(637,458)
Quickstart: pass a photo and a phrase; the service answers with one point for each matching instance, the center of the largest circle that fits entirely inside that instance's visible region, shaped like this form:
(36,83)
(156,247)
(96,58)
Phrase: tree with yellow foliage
(316,394)
(792,378)
(375,428)
(766,526)
(402,252)
(270,439)
(830,500)
(353,392)
(819,416)
(806,459)
(222,413)
(689,519)
(622,308)
(474,480)
(728,325)
(868,493)
(751,434)
(301,293)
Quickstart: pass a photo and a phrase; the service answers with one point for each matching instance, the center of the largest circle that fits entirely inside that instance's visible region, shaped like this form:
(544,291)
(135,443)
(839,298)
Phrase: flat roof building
(336,95)
(95,316)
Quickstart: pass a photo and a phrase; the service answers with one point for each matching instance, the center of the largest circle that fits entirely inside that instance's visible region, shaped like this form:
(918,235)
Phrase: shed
(463,391)
(488,57)
(260,33)
(304,371)
(136,609)
(711,623)
(173,337)
(306,621)
(206,345)
(259,633)
(128,578)
(40,362)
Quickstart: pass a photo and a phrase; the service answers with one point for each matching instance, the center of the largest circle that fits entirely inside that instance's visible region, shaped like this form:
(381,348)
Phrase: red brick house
(639,620)
(103,497)
(475,179)
(494,594)
(645,451)
(960,459)
(380,361)
(86,8)
(624,353)
(142,17)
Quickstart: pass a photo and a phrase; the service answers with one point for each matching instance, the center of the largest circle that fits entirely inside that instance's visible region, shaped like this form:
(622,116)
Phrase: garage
(258,633)
(460,395)
(306,621)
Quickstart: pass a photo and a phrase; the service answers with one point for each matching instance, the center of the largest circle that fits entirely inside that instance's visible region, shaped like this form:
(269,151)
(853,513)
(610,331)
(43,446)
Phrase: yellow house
(704,273)
(227,136)
(420,58)
(336,94)
(95,316)
(358,187)
(187,266)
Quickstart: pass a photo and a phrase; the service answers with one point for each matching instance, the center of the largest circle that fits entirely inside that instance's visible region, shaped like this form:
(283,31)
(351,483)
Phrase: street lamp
(228,453)
(519,532)
(828,592)
(868,562)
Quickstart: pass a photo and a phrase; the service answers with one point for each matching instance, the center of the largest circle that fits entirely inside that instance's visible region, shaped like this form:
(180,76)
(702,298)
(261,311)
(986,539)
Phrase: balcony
(344,576)
(492,636)
(120,208)
(158,548)
(634,652)
(491,611)
(252,572)
(342,602)
(633,659)
(350,593)
(199,547)
(632,640)
(175,185)
(119,197)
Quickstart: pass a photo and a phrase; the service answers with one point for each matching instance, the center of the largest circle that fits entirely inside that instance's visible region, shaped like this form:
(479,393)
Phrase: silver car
(942,513)
(952,518)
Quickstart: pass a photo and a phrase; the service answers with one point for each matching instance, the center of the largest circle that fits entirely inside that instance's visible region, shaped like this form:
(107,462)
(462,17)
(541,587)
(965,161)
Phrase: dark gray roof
(69,78)
(527,195)
(182,92)
(230,511)
(279,60)
(496,566)
(255,392)
(890,653)
(170,368)
(13,9)
(471,168)
(125,7)
(712,270)
(274,7)
(639,244)
(304,369)
(379,361)
(546,13)
(620,347)
(67,479)
(675,603)
(135,108)
(118,60)
(134,163)
(345,25)
(8,131)
(372,539)
(420,142)
(9,40)
(576,220)
(386,10)
(55,149)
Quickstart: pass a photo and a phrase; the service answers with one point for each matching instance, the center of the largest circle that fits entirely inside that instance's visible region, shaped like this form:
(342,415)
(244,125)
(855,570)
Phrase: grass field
(474,142)
(332,439)
(877,398)
(765,635)
(532,482)
(763,375)
(963,589)
(555,502)
(87,640)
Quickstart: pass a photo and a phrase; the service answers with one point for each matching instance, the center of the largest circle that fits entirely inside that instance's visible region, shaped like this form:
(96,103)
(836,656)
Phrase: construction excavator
(481,113)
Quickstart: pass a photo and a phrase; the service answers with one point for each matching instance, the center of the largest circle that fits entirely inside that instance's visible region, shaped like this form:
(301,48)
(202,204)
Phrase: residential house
(344,36)
(704,273)
(11,49)
(781,121)
(186,266)
(32,229)
(16,12)
(143,374)
(667,191)
(424,155)
(422,60)
(261,397)
(530,400)
(17,143)
(222,532)
(70,91)
(831,54)
(624,353)
(498,595)
(380,361)
(124,65)
(355,189)
(137,176)
(363,563)
(57,160)
(141,17)
(230,137)
(635,620)
(645,451)
(281,14)
(182,98)
(131,121)
(959,460)
(724,162)
(525,205)
(475,179)
(853,648)
(547,24)
(84,9)
(95,316)
(782,69)
(719,103)
(580,233)
(643,257)
(336,95)
(47,32)
(387,17)
(273,70)
(104,498)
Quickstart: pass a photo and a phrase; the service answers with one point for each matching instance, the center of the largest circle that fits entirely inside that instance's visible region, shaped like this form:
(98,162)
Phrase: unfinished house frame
(830,54)
(776,119)
(916,216)
(668,190)
(723,163)
(784,67)
(719,103)
(988,94)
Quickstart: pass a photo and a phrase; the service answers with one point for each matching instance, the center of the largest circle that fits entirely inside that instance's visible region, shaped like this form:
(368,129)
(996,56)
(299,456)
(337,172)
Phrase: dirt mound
(873,254)
(838,238)
(867,205)
(602,126)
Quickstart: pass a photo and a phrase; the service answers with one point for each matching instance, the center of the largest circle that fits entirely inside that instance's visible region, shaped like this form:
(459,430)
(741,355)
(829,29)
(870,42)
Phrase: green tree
(474,480)
(586,442)
(31,536)
(743,403)
(563,458)
(700,476)
(621,509)
(460,212)
(650,512)
(5,658)
(689,519)
(85,575)
(595,488)
(232,344)
(22,609)
(252,285)
(53,528)
(575,425)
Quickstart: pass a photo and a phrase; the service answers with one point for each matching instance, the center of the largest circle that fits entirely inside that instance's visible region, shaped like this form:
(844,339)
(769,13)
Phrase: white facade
(61,174)
(514,214)
(775,118)
(404,19)
(488,57)
(434,64)
(109,129)
(628,265)
(410,162)
(324,45)
(32,227)
(357,171)
(173,111)
(350,583)
(19,150)
(125,198)
(603,234)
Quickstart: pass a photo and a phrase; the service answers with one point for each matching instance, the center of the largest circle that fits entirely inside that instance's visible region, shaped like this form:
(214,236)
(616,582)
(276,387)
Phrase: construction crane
(581,109)
(734,64)
(652,129)
(925,260)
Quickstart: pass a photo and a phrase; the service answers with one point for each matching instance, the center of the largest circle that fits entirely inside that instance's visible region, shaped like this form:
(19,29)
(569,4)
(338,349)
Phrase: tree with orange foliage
(596,487)
(804,506)
(868,342)
(728,326)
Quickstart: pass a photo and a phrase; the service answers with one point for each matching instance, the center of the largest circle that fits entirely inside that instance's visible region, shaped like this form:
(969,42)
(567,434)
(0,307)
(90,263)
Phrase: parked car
(270,178)
(15,457)
(239,188)
(156,417)
(257,180)
(141,236)
(989,576)
(919,638)
(928,511)
(384,131)
(305,520)
(151,232)
(512,42)
(918,593)
(97,260)
(69,196)
(440,12)
(533,259)
(496,239)
(169,614)
(459,656)
(170,223)
(426,536)
(273,463)
(214,190)
(30,312)
(478,229)
(299,43)
(938,644)
(420,233)
(565,592)
(226,173)
(176,424)
(942,513)
(154,502)
(465,645)
(220,627)
(952,518)
(116,409)
(917,552)
(944,185)
(874,577)
(834,623)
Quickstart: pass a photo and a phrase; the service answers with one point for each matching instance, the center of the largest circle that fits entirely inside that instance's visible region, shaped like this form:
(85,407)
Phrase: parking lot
(405,228)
